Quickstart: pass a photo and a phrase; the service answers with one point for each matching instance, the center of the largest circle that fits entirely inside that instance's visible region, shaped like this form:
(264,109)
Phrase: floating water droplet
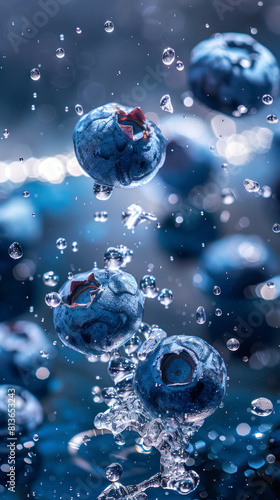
(127,255)
(79,109)
(180,65)
(276,228)
(228,197)
(251,186)
(33,107)
(113,472)
(224,166)
(70,275)
(44,354)
(132,345)
(109,26)
(266,191)
(149,287)
(6,133)
(61,37)
(216,290)
(66,109)
(166,297)
(35,74)
(168,56)
(53,299)
(102,192)
(60,53)
(119,439)
(261,407)
(272,119)
(270,458)
(267,99)
(78,30)
(120,368)
(50,279)
(270,284)
(75,246)
(101,216)
(35,437)
(113,258)
(233,344)
(26,194)
(218,312)
(200,315)
(134,215)
(166,104)
(61,244)
(15,251)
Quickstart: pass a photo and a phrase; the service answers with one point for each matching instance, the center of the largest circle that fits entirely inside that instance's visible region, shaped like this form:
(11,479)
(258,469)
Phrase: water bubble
(272,119)
(119,439)
(218,312)
(149,287)
(145,330)
(109,26)
(132,345)
(224,166)
(134,215)
(261,407)
(216,290)
(50,279)
(61,37)
(166,104)
(79,109)
(200,315)
(228,197)
(26,194)
(101,216)
(6,133)
(113,472)
(35,74)
(113,258)
(35,437)
(66,109)
(251,186)
(60,53)
(166,297)
(61,244)
(15,250)
(75,246)
(168,56)
(270,458)
(180,65)
(233,344)
(78,30)
(127,255)
(120,368)
(270,284)
(276,228)
(52,299)
(102,192)
(70,275)
(266,191)
(33,107)
(267,99)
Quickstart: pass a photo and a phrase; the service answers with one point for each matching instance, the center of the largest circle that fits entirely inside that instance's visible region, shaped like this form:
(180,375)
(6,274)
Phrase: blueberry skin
(108,152)
(182,377)
(106,323)
(235,262)
(232,69)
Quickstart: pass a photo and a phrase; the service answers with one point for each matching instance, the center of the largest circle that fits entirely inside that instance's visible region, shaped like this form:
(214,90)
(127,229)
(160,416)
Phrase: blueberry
(236,262)
(181,377)
(232,70)
(118,147)
(99,311)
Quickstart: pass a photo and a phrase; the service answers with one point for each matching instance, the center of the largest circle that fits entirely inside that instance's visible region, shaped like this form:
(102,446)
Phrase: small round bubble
(50,278)
(272,119)
(35,74)
(60,53)
(78,30)
(200,315)
(251,186)
(218,312)
(168,56)
(6,133)
(276,228)
(102,192)
(180,65)
(79,109)
(233,344)
(270,284)
(216,290)
(166,104)
(75,246)
(109,26)
(53,299)
(166,297)
(113,472)
(261,407)
(61,243)
(267,99)
(15,251)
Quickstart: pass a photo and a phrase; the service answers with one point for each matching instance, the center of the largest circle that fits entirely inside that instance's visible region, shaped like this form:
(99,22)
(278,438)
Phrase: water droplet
(35,437)
(149,287)
(166,297)
(120,368)
(261,407)
(267,99)
(113,472)
(50,279)
(109,26)
(52,299)
(272,119)
(134,215)
(218,312)
(270,459)
(79,109)
(44,354)
(132,345)
(78,30)
(270,284)
(228,197)
(60,53)
(66,109)
(101,216)
(35,74)
(276,228)
(168,56)
(180,65)
(102,192)
(127,255)
(75,246)
(216,290)
(70,275)
(119,439)
(15,250)
(61,37)
(26,194)
(166,104)
(113,258)
(61,244)
(251,186)
(33,107)
(224,166)
(6,133)
(200,315)
(233,344)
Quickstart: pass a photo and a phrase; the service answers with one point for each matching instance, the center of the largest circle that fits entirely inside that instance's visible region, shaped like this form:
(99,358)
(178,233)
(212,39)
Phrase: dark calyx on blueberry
(133,124)
(177,369)
(77,287)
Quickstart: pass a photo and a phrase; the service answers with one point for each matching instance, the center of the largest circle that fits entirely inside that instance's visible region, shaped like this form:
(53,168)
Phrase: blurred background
(199,200)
